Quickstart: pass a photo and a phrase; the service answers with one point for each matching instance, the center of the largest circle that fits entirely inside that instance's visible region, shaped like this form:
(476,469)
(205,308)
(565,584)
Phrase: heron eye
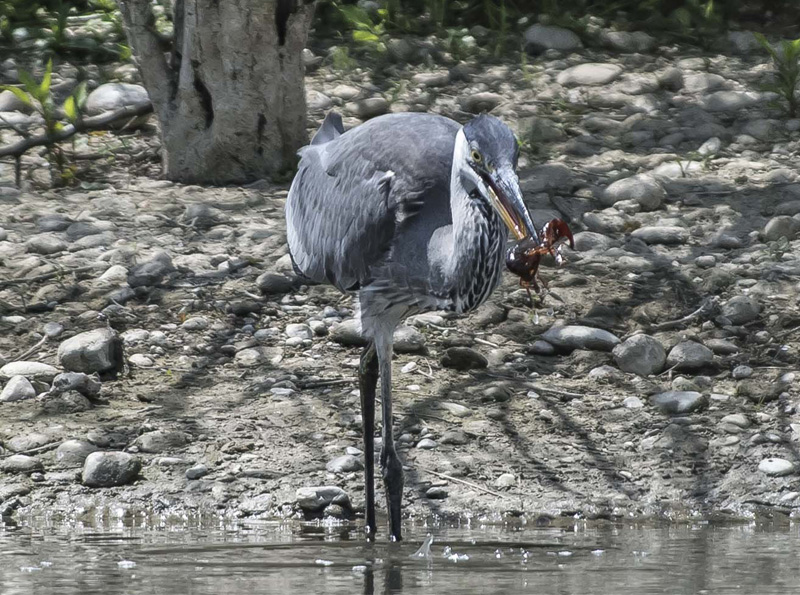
(476,157)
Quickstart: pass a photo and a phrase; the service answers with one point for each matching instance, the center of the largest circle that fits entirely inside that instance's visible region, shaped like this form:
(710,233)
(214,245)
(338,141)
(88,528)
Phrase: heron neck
(478,239)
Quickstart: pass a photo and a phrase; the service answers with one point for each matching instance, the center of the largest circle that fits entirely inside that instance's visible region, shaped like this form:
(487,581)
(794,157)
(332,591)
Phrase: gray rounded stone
(463,358)
(109,469)
(45,243)
(18,388)
(299,331)
(112,96)
(589,74)
(197,471)
(407,339)
(678,402)
(642,188)
(159,441)
(569,338)
(640,354)
(30,370)
(348,333)
(270,283)
(73,453)
(542,37)
(318,498)
(776,467)
(741,309)
(667,234)
(20,464)
(344,464)
(99,350)
(781,227)
(689,356)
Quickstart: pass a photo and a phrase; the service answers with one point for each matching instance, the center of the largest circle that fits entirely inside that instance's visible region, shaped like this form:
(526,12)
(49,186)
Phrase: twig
(555,391)
(485,342)
(93,123)
(466,483)
(46,276)
(673,324)
(30,351)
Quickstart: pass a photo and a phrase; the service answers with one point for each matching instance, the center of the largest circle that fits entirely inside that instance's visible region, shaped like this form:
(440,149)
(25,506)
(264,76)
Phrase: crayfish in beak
(524,256)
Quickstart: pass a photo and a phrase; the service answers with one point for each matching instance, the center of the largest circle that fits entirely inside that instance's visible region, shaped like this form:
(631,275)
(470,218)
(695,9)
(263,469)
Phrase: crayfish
(524,256)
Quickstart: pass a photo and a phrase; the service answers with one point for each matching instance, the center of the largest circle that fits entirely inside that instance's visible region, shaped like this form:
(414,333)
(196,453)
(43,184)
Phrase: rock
(9,102)
(678,402)
(25,442)
(540,347)
(743,42)
(152,272)
(569,338)
(348,333)
(721,347)
(109,469)
(632,403)
(86,385)
(114,276)
(741,309)
(250,357)
(197,471)
(640,354)
(53,222)
(668,235)
(257,505)
(454,437)
(159,441)
(18,388)
(703,82)
(20,464)
(735,423)
(45,243)
(82,229)
(710,147)
(706,261)
(427,444)
(431,79)
(642,188)
(368,108)
(99,350)
(30,370)
(318,102)
(628,41)
(73,453)
(140,360)
(344,464)
(436,493)
(68,402)
(730,101)
(455,409)
(589,240)
(274,283)
(195,323)
(671,79)
(539,38)
(589,74)
(506,480)
(689,356)
(540,130)
(407,339)
(112,96)
(480,102)
(781,227)
(463,358)
(742,372)
(317,498)
(299,331)
(775,467)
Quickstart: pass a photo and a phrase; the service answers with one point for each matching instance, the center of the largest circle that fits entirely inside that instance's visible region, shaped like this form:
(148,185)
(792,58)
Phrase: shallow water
(228,558)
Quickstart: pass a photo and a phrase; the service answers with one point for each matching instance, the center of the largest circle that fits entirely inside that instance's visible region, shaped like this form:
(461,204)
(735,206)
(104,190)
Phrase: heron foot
(393,482)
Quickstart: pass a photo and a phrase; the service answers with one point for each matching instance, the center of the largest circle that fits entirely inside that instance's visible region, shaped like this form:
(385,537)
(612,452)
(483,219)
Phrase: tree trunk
(230,98)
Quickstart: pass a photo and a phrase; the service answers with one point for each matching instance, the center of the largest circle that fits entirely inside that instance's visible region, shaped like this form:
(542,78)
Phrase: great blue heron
(410,212)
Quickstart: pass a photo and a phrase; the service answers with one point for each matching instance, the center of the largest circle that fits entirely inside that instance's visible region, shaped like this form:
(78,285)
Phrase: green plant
(37,95)
(341,59)
(786,61)
(367,32)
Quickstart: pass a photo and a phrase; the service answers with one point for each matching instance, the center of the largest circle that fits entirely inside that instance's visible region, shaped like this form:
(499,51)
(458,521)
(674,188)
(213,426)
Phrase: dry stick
(30,351)
(46,276)
(466,483)
(93,123)
(673,324)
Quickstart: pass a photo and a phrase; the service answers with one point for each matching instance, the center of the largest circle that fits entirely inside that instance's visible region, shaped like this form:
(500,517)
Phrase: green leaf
(44,87)
(80,95)
(365,37)
(21,95)
(31,86)
(70,108)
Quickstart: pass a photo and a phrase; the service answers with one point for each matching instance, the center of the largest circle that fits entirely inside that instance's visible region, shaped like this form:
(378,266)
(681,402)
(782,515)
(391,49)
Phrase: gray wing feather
(352,194)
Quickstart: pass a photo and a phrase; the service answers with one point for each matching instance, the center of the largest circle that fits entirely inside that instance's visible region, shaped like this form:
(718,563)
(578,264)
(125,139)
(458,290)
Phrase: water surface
(236,558)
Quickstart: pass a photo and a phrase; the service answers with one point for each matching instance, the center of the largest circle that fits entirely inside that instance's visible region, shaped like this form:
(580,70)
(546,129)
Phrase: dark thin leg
(368,380)
(390,463)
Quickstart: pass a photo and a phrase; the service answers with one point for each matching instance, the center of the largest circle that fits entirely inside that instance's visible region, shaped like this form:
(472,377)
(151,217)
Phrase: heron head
(489,158)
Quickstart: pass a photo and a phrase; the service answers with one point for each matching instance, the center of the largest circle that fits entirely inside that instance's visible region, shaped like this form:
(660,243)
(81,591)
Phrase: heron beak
(506,197)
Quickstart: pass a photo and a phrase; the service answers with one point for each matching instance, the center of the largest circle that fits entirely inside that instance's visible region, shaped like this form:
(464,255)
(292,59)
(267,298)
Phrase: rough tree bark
(229,96)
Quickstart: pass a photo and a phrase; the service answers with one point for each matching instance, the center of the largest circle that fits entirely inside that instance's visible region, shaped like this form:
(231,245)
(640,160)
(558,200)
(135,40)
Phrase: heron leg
(368,381)
(391,466)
